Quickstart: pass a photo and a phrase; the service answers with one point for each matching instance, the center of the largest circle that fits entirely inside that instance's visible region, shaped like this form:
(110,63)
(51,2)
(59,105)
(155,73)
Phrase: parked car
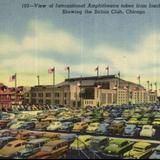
(66,126)
(156,122)
(117,147)
(55,149)
(42,125)
(80,127)
(116,128)
(3,123)
(69,138)
(133,121)
(16,125)
(27,125)
(97,144)
(92,127)
(54,126)
(31,147)
(147,131)
(5,140)
(139,150)
(131,130)
(11,149)
(156,153)
(81,142)
(144,121)
(102,129)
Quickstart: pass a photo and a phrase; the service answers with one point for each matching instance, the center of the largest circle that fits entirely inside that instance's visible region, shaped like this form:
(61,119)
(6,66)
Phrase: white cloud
(42,37)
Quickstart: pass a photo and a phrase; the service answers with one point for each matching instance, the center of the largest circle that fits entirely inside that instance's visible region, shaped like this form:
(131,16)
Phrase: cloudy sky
(32,40)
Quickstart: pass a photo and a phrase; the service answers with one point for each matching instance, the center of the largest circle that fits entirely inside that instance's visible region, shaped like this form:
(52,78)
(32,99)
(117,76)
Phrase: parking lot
(127,131)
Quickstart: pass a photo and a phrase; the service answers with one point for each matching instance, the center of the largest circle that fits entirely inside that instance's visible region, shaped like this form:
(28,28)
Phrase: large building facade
(91,91)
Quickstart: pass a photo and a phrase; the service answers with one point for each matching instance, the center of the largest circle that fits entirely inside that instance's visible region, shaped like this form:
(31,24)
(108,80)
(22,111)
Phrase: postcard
(79,79)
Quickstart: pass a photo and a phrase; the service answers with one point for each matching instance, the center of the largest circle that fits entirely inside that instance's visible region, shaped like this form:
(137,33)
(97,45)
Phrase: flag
(67,68)
(51,70)
(107,68)
(118,74)
(13,78)
(96,69)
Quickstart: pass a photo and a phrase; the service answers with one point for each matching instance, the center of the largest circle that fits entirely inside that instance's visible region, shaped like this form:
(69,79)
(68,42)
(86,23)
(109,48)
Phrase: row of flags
(52,70)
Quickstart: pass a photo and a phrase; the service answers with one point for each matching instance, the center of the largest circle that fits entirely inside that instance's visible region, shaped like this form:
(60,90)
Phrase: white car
(147,131)
(54,126)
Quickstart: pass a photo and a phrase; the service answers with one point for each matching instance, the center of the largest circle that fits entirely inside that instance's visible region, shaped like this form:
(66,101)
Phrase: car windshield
(128,128)
(9,145)
(138,149)
(93,125)
(146,128)
(157,151)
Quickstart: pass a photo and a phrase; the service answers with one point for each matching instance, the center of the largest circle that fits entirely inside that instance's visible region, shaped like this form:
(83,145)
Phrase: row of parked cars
(99,121)
(117,148)
(25,144)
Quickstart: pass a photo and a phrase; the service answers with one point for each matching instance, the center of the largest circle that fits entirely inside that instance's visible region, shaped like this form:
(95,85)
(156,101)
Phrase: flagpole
(15,88)
(38,80)
(148,85)
(139,80)
(68,72)
(53,84)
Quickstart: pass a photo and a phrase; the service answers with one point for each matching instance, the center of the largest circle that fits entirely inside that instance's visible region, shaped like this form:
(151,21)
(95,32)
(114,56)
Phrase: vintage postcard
(79,79)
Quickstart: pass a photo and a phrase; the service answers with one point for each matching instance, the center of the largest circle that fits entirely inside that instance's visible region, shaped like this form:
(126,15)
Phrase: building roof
(94,80)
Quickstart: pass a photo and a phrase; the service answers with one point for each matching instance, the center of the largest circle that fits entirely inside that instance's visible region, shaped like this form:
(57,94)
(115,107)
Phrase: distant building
(9,96)
(91,91)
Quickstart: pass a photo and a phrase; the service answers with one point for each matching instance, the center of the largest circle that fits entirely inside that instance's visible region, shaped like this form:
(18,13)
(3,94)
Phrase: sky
(33,40)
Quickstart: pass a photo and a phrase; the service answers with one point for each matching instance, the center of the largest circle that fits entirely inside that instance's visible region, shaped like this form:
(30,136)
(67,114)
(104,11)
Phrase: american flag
(51,70)
(138,77)
(118,74)
(67,68)
(12,78)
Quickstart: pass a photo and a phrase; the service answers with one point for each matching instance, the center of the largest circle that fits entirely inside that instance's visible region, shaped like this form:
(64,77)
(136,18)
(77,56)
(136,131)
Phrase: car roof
(54,142)
(5,138)
(84,137)
(99,138)
(141,144)
(16,142)
(118,141)
(34,141)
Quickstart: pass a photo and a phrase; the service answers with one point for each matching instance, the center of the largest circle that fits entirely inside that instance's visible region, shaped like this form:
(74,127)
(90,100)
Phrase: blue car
(69,138)
(27,126)
(156,153)
(103,129)
(66,126)
(5,140)
(131,130)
